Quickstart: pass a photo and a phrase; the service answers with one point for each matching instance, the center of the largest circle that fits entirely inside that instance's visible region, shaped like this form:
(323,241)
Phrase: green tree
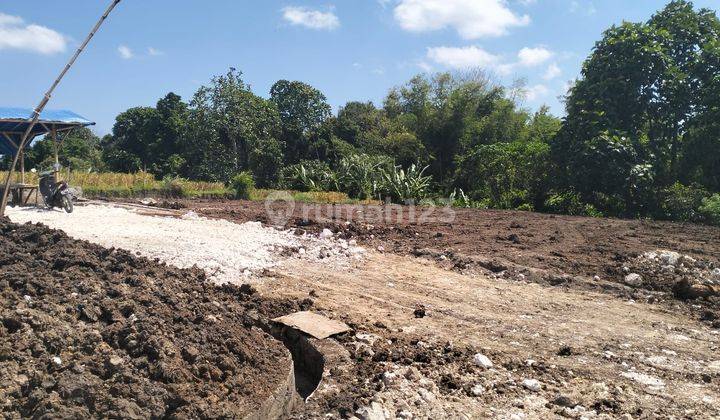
(648,84)
(130,145)
(360,123)
(226,120)
(506,175)
(79,149)
(302,110)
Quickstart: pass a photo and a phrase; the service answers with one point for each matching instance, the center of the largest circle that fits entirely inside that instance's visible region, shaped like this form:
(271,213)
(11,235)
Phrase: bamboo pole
(36,113)
(22,167)
(56,166)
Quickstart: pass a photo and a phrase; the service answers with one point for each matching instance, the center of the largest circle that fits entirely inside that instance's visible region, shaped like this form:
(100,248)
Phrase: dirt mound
(94,332)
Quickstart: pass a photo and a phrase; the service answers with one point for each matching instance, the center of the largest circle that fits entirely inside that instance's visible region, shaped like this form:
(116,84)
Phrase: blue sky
(349,49)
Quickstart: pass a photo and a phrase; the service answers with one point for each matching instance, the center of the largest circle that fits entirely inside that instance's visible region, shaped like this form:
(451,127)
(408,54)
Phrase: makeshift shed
(15,121)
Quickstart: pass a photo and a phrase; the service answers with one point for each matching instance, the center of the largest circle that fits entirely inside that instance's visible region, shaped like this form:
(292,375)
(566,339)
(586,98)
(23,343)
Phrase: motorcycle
(56,194)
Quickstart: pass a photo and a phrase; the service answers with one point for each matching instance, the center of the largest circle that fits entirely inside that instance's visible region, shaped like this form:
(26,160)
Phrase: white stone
(633,279)
(532,384)
(714,365)
(477,390)
(389,378)
(716,274)
(375,411)
(644,379)
(426,395)
(366,338)
(482,361)
(57,360)
(669,257)
(326,234)
(148,201)
(227,251)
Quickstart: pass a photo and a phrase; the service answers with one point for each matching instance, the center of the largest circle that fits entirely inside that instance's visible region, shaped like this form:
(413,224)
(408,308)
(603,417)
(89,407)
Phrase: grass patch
(310,197)
(141,184)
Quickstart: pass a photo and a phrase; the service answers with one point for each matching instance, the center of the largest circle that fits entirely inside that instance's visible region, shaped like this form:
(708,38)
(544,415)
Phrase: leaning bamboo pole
(36,112)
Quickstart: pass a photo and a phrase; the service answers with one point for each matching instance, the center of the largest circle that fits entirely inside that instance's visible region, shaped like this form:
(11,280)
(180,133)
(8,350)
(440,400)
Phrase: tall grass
(109,184)
(142,184)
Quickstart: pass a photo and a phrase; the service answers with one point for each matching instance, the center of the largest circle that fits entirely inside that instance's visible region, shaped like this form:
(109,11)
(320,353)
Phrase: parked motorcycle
(56,194)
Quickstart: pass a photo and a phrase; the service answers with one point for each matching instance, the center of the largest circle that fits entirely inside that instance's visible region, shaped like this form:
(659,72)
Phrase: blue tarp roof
(14,122)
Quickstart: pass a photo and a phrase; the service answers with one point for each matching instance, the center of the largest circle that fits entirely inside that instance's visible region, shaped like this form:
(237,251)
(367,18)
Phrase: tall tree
(226,120)
(643,87)
(133,135)
(302,110)
(79,150)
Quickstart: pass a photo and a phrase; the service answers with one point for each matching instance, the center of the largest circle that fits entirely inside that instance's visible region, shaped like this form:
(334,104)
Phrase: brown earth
(94,332)
(541,295)
(544,247)
(519,288)
(586,349)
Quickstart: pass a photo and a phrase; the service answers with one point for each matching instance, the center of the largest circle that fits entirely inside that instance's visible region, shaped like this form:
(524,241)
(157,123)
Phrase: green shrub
(681,203)
(175,187)
(710,210)
(570,203)
(403,186)
(508,174)
(525,207)
(360,175)
(242,184)
(308,175)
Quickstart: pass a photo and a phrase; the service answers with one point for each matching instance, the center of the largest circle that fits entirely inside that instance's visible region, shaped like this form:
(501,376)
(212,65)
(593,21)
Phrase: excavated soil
(93,332)
(560,244)
(584,253)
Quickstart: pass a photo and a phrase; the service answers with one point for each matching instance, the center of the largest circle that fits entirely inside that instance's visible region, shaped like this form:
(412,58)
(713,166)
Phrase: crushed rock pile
(228,252)
(669,271)
(87,331)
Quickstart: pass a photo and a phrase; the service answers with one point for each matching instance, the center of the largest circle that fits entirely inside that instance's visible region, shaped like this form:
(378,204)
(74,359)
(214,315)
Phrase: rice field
(144,184)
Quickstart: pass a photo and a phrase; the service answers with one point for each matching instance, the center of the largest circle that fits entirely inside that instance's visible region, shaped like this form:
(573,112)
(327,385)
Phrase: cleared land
(518,288)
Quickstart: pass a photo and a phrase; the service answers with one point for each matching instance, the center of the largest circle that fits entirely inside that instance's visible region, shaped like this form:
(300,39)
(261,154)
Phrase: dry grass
(309,197)
(141,184)
(110,184)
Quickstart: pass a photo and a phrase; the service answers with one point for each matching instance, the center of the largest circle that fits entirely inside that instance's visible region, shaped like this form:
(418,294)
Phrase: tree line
(641,137)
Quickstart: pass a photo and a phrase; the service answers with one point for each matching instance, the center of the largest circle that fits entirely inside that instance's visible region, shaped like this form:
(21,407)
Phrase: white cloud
(425,66)
(531,57)
(585,8)
(462,57)
(154,52)
(471,18)
(533,93)
(312,19)
(552,72)
(125,52)
(474,56)
(15,34)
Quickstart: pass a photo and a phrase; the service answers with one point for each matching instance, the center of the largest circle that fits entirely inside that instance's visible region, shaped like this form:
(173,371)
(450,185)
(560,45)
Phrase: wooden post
(56,166)
(36,113)
(22,166)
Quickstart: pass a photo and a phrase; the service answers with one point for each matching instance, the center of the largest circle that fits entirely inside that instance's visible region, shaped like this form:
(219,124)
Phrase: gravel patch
(227,251)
